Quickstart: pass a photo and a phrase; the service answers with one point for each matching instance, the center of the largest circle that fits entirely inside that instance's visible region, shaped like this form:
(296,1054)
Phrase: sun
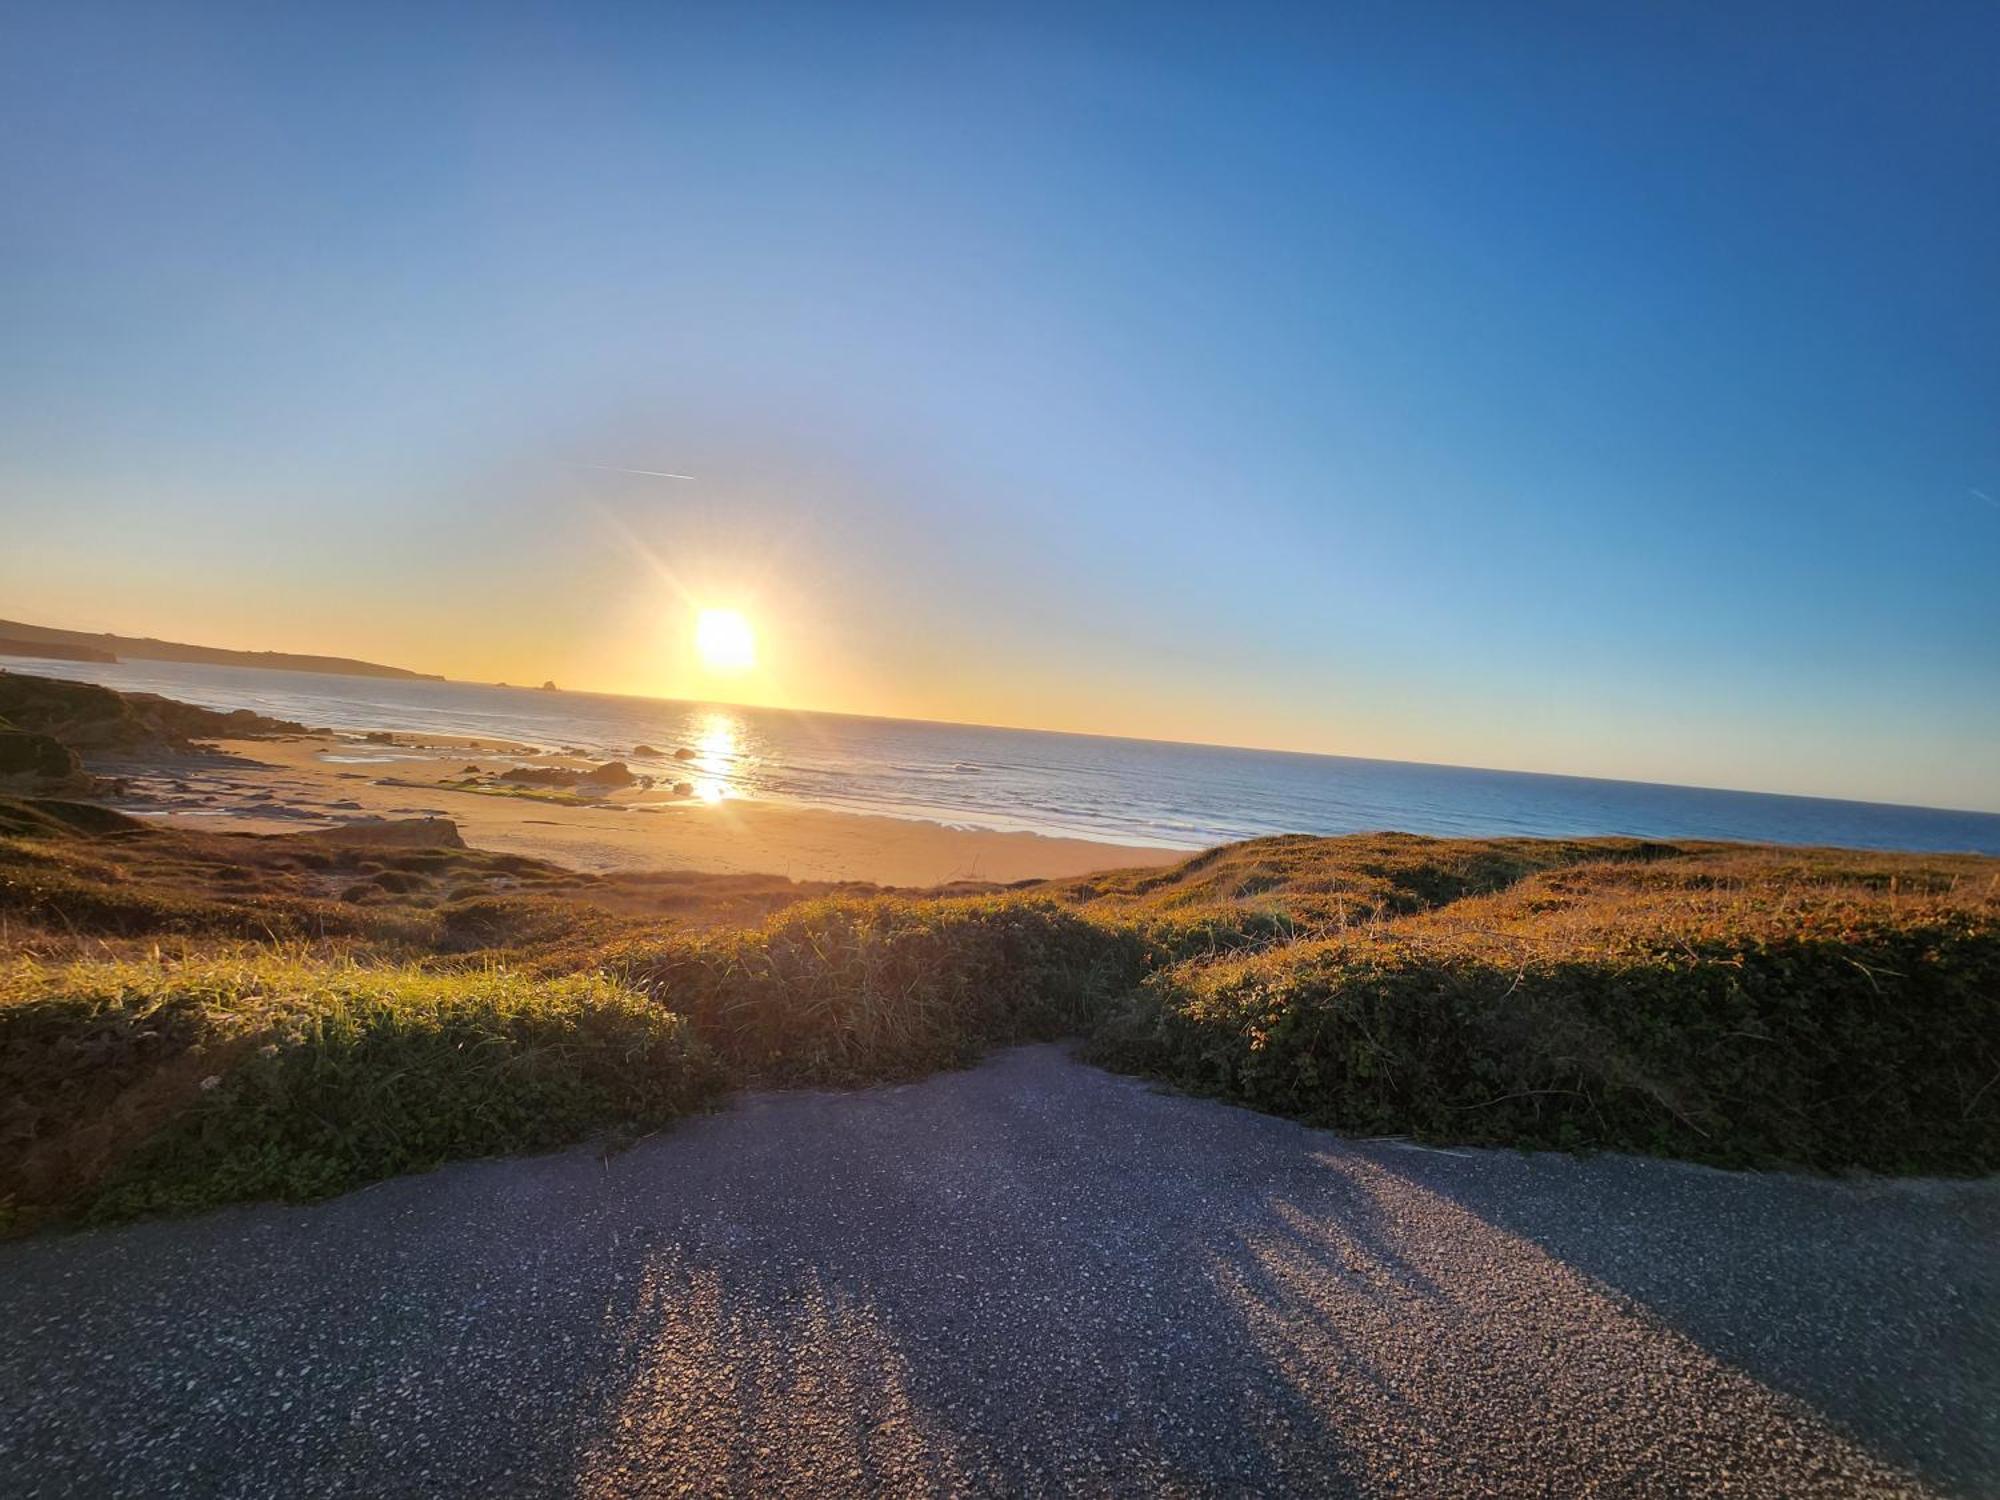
(725,640)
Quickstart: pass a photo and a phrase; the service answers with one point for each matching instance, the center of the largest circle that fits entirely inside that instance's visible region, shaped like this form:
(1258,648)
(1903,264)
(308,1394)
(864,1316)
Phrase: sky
(1601,389)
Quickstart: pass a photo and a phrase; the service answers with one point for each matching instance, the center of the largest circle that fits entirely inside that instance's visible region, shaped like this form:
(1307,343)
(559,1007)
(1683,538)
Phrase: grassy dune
(189,1019)
(1743,1008)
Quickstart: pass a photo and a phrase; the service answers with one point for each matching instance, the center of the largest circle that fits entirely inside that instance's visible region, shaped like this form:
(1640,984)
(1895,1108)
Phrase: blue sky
(1587,388)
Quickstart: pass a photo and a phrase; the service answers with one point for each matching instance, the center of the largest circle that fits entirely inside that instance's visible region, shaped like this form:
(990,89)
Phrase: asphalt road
(1029,1278)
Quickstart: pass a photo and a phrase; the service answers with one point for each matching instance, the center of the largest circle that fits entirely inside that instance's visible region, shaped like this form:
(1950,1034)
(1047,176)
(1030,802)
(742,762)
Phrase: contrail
(649,473)
(1986,497)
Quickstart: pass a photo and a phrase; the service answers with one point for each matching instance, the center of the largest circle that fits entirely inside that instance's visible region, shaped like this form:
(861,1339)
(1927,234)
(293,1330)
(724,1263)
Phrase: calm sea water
(1116,791)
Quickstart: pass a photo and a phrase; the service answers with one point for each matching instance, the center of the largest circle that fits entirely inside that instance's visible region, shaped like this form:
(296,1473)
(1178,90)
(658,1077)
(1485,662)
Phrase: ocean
(1082,786)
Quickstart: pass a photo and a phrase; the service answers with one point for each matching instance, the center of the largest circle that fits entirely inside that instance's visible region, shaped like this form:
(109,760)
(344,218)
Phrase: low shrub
(139,1087)
(1823,1043)
(846,991)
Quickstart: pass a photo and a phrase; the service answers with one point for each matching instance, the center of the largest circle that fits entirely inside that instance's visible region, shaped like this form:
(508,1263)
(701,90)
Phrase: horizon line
(1093,734)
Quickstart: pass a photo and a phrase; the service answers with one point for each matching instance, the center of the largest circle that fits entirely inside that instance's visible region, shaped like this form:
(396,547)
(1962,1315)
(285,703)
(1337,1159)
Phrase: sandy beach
(274,786)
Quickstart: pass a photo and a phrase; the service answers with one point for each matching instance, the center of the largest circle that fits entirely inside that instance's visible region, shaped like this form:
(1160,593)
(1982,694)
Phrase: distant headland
(76,645)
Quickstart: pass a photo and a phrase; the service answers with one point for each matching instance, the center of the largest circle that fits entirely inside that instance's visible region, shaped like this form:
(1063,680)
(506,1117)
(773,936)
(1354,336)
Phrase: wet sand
(272,786)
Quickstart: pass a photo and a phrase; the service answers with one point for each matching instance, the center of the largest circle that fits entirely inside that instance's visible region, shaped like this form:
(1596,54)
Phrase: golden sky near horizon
(643,639)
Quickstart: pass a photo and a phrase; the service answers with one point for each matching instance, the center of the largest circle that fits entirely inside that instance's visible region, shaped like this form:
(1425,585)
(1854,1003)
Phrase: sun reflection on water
(718,743)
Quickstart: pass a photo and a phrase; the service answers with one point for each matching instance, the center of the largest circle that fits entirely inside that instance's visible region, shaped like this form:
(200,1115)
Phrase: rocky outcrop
(93,720)
(538,776)
(39,762)
(604,778)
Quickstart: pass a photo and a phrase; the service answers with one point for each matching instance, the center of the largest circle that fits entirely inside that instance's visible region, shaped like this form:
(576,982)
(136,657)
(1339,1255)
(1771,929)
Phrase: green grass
(1742,1006)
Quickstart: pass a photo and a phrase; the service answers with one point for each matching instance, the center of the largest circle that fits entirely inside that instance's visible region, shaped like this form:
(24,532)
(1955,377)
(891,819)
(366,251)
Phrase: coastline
(287,785)
(1110,792)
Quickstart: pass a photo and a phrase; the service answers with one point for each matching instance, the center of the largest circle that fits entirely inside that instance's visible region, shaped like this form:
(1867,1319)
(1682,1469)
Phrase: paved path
(1028,1278)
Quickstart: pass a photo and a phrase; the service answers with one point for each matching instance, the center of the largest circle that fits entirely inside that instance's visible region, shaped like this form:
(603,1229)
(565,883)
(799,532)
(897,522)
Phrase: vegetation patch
(1866,1042)
(144,1086)
(193,1018)
(852,991)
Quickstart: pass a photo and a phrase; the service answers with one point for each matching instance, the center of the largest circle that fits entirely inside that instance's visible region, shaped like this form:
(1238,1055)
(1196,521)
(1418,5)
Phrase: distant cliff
(52,650)
(145,648)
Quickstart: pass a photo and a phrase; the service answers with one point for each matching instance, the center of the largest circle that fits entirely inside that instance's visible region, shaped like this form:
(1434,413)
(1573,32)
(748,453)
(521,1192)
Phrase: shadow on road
(1026,1278)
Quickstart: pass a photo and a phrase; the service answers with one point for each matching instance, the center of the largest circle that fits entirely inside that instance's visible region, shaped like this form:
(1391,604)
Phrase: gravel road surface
(1028,1278)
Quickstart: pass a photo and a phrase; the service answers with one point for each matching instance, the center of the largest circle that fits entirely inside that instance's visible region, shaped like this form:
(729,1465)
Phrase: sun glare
(725,641)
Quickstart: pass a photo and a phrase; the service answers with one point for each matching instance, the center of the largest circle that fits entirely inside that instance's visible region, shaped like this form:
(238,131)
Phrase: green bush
(847,991)
(1867,1046)
(271,1079)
